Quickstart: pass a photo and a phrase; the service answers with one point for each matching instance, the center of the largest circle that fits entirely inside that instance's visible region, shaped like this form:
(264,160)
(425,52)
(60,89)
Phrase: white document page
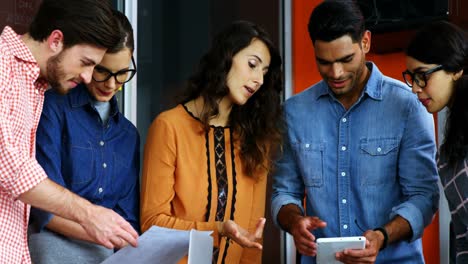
(166,246)
(200,248)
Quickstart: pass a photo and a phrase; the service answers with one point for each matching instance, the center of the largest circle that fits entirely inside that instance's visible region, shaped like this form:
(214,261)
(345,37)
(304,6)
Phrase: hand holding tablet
(328,247)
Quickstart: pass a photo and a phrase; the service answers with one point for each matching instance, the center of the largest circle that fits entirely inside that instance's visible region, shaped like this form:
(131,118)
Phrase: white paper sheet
(167,246)
(200,247)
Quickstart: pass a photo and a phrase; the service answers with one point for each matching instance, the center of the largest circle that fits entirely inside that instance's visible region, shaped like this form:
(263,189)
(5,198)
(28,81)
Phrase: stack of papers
(167,246)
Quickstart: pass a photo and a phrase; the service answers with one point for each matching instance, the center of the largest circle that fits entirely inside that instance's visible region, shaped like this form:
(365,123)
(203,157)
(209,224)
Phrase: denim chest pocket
(81,165)
(377,160)
(310,162)
(122,170)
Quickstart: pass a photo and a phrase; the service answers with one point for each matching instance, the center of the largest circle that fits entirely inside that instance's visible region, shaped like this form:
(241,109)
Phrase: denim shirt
(97,162)
(362,166)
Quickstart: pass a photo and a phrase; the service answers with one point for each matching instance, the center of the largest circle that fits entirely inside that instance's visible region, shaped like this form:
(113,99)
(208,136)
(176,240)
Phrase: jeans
(48,247)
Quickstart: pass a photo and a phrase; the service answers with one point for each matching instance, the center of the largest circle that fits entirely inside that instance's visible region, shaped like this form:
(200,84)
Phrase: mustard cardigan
(182,169)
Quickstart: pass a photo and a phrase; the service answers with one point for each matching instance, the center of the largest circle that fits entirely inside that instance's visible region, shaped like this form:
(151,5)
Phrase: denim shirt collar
(373,86)
(80,96)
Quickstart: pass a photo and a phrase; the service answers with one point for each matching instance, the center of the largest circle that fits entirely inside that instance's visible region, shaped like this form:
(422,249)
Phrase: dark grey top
(455,182)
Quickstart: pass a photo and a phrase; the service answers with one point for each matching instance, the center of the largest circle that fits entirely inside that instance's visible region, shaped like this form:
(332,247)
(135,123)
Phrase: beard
(55,73)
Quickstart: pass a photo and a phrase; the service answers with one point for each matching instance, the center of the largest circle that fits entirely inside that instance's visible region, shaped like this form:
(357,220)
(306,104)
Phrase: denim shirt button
(307,145)
(343,173)
(104,165)
(344,120)
(343,148)
(343,201)
(100,190)
(345,226)
(101,143)
(379,149)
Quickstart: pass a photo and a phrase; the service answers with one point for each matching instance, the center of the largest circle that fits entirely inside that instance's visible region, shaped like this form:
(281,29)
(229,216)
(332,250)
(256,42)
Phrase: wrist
(385,237)
(83,210)
(291,221)
(288,215)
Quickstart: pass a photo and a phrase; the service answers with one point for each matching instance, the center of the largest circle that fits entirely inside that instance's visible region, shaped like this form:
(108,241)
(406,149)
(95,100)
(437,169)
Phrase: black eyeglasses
(419,77)
(102,74)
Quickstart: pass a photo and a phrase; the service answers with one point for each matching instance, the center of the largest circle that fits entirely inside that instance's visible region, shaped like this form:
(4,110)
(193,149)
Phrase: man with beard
(66,39)
(361,146)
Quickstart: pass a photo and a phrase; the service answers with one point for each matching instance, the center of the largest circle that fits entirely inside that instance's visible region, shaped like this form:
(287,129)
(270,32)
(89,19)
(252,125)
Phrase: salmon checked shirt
(21,98)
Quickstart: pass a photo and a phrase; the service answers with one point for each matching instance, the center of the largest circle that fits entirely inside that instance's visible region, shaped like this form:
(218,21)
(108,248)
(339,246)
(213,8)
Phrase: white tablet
(327,247)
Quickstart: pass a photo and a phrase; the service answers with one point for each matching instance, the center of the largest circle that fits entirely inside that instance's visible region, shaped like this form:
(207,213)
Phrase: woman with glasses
(437,62)
(206,160)
(86,145)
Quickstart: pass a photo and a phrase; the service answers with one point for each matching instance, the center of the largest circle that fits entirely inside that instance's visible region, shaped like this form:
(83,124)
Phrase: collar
(373,87)
(80,97)
(20,51)
(17,46)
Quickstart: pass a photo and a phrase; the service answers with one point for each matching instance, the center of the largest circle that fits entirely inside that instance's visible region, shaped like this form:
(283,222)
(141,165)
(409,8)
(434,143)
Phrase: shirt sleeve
(128,205)
(158,177)
(19,171)
(417,171)
(288,186)
(48,148)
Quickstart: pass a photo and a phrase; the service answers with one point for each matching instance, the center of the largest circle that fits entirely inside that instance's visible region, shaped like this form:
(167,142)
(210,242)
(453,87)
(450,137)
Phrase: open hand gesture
(241,236)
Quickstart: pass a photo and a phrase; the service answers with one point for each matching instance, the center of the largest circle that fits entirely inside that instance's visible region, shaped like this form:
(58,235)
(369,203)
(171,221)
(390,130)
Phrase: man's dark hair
(81,22)
(333,19)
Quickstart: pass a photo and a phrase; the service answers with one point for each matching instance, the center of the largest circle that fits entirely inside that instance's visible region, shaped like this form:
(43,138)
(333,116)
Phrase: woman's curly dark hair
(258,124)
(446,44)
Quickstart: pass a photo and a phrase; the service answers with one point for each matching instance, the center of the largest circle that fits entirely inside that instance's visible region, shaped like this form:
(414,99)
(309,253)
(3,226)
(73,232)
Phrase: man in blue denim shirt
(361,147)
